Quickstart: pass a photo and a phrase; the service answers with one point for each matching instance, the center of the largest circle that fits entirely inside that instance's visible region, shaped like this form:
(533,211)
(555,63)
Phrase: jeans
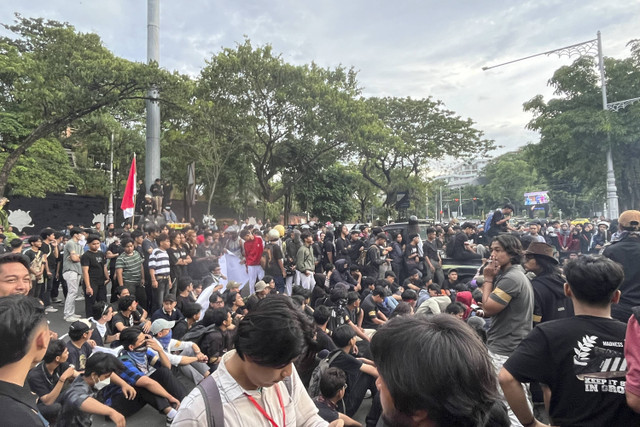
(45,293)
(280,283)
(73,279)
(498,360)
(159,294)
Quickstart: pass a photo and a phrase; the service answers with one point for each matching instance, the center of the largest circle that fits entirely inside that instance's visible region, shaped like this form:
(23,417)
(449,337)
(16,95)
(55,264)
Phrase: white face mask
(102,384)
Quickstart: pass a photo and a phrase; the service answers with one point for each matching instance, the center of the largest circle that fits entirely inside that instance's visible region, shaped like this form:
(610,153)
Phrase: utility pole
(152,147)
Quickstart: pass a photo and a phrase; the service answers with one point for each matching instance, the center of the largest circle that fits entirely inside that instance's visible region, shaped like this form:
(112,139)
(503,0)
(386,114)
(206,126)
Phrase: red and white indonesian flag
(128,205)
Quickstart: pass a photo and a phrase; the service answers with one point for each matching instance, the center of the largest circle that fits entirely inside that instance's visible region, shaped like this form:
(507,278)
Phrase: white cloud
(409,48)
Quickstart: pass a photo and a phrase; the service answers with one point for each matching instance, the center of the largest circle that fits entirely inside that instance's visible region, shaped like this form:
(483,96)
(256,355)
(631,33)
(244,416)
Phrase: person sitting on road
(333,386)
(79,401)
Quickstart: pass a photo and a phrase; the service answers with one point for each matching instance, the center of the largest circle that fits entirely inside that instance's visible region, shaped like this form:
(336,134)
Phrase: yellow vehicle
(580,221)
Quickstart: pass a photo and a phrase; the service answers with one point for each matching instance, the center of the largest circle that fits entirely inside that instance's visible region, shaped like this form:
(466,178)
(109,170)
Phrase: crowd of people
(328,316)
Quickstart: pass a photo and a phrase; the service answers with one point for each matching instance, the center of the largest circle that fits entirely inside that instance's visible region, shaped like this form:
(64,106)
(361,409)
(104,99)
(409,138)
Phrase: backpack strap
(213,402)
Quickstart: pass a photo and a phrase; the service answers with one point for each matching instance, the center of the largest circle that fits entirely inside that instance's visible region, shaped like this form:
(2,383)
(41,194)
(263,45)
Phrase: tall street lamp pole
(582,49)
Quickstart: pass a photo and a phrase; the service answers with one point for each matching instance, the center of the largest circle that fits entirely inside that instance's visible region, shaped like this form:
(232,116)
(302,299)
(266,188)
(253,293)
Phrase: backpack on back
(266,258)
(314,384)
(487,223)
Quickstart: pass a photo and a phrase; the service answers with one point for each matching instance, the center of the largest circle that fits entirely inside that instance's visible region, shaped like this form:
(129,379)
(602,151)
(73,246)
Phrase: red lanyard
(264,413)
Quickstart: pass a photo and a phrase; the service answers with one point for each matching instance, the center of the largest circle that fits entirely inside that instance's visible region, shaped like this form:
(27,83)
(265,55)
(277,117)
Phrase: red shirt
(253,251)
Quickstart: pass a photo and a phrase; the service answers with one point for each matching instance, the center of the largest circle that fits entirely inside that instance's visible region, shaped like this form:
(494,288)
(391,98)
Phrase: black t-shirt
(350,365)
(581,359)
(370,309)
(78,356)
(39,380)
(127,321)
(114,248)
(430,250)
(273,267)
(324,340)
(48,250)
(495,229)
(326,410)
(95,261)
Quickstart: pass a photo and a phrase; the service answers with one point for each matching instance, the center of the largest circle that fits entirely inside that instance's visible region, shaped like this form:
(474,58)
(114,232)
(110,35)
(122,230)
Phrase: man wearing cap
(168,311)
(72,272)
(80,346)
(601,237)
(262,289)
(626,251)
(183,354)
(550,302)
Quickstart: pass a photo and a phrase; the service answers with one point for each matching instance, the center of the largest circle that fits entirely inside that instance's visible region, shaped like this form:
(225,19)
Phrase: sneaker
(72,318)
(169,422)
(80,298)
(50,309)
(56,299)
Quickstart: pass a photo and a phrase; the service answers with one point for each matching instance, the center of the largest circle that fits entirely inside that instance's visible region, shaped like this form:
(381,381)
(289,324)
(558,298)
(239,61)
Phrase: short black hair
(439,365)
(161,238)
(214,297)
(46,232)
(509,206)
(352,296)
(129,336)
(55,349)
(183,283)
(215,316)
(455,307)
(403,308)
(33,239)
(92,238)
(273,334)
(190,309)
(136,233)
(332,381)
(321,314)
(99,309)
(20,316)
(9,258)
(378,292)
(102,363)
(409,294)
(125,241)
(16,243)
(342,335)
(125,302)
(593,278)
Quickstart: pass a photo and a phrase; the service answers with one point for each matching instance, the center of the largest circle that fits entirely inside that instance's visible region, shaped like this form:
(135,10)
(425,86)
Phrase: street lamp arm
(619,105)
(579,49)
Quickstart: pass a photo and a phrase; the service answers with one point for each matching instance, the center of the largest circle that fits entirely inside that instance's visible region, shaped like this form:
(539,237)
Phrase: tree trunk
(287,207)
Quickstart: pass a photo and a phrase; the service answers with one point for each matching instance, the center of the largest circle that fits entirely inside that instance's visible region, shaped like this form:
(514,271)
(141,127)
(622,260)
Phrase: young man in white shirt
(259,386)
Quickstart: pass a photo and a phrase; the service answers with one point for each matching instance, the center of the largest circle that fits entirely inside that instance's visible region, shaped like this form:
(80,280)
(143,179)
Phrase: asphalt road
(148,416)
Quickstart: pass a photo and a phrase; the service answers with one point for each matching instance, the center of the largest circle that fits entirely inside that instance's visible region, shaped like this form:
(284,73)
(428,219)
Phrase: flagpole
(135,193)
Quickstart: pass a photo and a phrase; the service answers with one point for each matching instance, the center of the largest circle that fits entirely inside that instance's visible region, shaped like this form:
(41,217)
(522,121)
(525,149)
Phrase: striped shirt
(131,266)
(159,262)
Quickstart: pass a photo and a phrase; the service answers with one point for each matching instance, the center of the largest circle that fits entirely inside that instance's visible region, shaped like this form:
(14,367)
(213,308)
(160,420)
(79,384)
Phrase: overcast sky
(400,48)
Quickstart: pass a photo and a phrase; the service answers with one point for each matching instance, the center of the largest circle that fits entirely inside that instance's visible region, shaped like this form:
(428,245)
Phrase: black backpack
(196,333)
